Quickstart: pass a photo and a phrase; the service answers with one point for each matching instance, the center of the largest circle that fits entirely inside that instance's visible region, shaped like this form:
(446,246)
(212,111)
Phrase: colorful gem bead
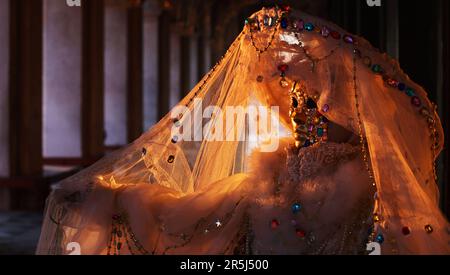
(309,27)
(406,230)
(336,35)
(416,101)
(429,229)
(284,23)
(379,239)
(274,224)
(300,233)
(296,207)
(410,92)
(283,68)
(171,159)
(392,82)
(376,218)
(325,32)
(349,39)
(377,69)
(367,61)
(298,25)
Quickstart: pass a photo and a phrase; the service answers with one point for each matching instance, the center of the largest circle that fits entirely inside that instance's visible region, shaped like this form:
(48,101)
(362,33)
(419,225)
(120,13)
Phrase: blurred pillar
(193,70)
(175,66)
(164,64)
(4,95)
(444,102)
(115,77)
(92,79)
(135,71)
(204,42)
(62,80)
(26,88)
(392,28)
(4,102)
(150,66)
(185,65)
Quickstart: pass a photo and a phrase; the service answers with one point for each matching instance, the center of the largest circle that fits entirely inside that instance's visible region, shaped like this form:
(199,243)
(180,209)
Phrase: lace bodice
(329,183)
(309,161)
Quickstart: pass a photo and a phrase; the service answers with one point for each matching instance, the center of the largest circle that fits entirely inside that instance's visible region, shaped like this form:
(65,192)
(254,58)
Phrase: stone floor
(19,232)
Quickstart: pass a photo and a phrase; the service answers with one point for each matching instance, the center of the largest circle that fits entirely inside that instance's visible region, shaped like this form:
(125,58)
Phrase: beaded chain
(122,234)
(312,59)
(272,37)
(209,228)
(120,229)
(360,126)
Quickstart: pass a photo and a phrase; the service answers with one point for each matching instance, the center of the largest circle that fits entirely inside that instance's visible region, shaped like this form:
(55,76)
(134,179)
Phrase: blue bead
(307,144)
(284,23)
(401,86)
(296,207)
(309,27)
(379,238)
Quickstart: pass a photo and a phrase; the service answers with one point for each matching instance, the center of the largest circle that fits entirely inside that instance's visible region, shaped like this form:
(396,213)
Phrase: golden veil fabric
(189,183)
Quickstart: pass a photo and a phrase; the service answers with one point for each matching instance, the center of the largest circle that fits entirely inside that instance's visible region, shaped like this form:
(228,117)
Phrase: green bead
(320,132)
(410,92)
(377,69)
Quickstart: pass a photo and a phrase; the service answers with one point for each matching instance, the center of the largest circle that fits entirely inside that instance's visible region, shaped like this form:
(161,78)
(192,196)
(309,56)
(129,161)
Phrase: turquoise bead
(410,92)
(380,238)
(377,69)
(320,132)
(309,27)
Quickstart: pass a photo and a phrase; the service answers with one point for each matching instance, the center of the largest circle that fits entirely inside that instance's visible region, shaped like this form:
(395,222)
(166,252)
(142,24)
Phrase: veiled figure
(334,149)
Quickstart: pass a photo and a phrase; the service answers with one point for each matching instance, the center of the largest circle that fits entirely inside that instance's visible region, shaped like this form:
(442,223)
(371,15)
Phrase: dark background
(415,31)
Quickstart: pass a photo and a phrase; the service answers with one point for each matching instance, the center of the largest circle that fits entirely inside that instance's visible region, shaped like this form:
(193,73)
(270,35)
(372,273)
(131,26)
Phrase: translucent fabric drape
(189,174)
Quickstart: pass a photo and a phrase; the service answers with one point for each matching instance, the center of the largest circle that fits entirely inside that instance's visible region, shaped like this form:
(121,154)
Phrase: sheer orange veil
(362,90)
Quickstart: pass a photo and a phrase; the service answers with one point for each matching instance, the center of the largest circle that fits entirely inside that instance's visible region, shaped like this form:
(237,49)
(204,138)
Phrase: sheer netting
(185,186)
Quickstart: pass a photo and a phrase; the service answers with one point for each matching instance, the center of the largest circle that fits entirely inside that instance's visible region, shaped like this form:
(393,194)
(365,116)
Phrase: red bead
(392,82)
(416,101)
(274,224)
(335,35)
(286,8)
(406,230)
(283,68)
(300,233)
